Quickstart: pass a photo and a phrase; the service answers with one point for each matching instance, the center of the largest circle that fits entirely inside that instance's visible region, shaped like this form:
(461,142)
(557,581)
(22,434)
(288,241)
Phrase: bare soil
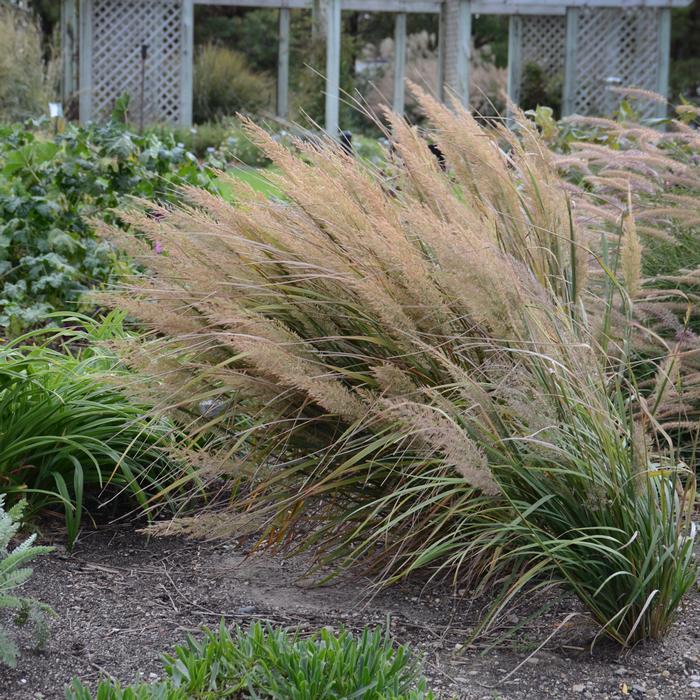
(122,599)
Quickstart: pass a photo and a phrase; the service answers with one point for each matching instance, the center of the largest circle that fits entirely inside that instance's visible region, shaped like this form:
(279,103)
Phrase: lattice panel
(615,46)
(119,30)
(543,41)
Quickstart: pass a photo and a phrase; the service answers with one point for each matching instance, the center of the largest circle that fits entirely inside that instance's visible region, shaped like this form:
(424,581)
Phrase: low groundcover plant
(436,368)
(272,664)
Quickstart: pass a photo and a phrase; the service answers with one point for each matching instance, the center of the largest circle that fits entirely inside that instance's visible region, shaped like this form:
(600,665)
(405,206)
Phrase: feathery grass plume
(420,379)
(666,383)
(639,94)
(630,252)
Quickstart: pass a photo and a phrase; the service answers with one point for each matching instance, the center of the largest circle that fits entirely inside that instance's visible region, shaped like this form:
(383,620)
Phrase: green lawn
(255,177)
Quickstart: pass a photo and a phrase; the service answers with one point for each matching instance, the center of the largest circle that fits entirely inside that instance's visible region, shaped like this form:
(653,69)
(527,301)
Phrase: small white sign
(55,110)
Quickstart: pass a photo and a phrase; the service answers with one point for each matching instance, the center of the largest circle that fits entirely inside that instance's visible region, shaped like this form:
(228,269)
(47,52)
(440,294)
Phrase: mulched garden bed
(122,599)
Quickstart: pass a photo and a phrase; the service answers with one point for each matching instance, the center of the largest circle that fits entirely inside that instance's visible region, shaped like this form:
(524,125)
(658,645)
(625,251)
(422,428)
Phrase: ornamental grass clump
(430,371)
(610,164)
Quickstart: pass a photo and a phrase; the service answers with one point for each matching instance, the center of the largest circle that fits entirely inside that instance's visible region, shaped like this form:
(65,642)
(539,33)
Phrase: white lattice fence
(615,46)
(538,40)
(543,40)
(121,30)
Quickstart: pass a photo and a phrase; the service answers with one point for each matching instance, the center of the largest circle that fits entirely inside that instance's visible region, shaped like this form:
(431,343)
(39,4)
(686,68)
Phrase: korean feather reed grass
(431,380)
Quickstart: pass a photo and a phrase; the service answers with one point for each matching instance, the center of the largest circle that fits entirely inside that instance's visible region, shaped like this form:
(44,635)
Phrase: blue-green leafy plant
(13,573)
(51,187)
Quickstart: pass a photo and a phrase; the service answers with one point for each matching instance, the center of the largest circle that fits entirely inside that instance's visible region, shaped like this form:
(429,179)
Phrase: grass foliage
(68,437)
(437,367)
(612,163)
(272,664)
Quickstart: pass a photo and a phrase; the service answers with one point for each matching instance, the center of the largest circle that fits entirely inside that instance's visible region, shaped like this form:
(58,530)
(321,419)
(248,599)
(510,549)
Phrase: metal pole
(142,96)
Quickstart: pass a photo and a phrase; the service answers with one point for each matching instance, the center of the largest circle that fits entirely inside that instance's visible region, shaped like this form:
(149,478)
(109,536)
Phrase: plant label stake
(144,57)
(55,114)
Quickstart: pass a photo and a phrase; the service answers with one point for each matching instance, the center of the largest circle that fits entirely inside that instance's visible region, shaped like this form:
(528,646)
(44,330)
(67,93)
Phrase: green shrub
(237,148)
(224,85)
(250,32)
(436,369)
(25,80)
(51,188)
(271,664)
(539,88)
(369,149)
(219,143)
(226,143)
(67,437)
(13,573)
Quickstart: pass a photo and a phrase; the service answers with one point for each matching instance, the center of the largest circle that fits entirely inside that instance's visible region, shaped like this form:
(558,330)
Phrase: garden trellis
(146,47)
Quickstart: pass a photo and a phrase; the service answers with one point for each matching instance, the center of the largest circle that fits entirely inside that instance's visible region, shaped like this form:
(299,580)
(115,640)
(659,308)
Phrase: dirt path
(122,600)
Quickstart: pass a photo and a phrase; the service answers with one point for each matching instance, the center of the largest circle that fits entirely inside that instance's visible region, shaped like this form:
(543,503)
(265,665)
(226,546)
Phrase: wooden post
(399,62)
(69,45)
(283,65)
(464,47)
(442,53)
(568,104)
(85,61)
(332,67)
(515,70)
(664,39)
(186,63)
